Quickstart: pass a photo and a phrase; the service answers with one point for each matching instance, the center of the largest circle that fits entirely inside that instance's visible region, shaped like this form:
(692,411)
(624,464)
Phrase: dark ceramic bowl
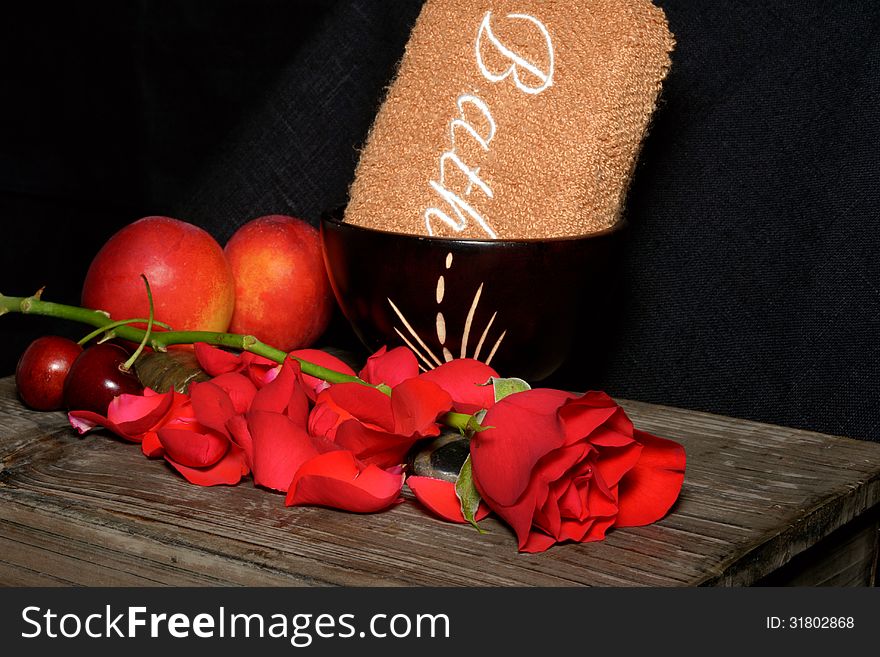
(519,305)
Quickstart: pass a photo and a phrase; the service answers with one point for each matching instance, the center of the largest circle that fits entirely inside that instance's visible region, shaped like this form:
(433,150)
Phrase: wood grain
(95,511)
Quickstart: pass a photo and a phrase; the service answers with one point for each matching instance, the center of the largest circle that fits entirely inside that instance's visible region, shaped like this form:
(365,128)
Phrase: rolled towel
(513,119)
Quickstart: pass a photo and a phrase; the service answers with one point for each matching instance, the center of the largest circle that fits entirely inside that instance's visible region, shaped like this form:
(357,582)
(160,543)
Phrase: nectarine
(190,279)
(282,293)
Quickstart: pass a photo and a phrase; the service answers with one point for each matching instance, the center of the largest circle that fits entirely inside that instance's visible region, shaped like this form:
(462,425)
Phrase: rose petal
(323,359)
(390,367)
(260,370)
(191,448)
(581,417)
(353,400)
(239,388)
(337,480)
(415,404)
(374,445)
(228,470)
(614,462)
(649,490)
(129,416)
(150,445)
(465,380)
(536,542)
(211,406)
(137,414)
(524,427)
(85,421)
(280,447)
(440,498)
(286,394)
(216,361)
(240,436)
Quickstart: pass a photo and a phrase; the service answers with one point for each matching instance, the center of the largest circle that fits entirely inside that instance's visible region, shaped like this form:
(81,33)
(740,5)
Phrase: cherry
(42,370)
(96,377)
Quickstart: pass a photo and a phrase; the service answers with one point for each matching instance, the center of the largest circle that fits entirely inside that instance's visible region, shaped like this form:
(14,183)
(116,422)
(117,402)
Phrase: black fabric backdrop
(750,285)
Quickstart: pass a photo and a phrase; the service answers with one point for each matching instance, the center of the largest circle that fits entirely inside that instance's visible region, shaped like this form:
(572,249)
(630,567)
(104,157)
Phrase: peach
(190,279)
(282,293)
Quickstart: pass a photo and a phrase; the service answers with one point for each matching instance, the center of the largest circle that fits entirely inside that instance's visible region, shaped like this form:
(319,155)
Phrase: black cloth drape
(749,287)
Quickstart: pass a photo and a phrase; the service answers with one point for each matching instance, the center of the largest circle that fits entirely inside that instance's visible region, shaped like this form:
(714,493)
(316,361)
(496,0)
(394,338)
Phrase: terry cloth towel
(513,119)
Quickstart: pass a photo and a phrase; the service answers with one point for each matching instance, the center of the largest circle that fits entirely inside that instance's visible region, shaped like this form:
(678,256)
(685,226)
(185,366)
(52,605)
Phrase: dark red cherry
(96,377)
(42,369)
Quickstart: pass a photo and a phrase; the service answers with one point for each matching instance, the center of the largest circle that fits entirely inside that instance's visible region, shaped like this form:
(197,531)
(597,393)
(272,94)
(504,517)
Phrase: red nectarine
(189,276)
(282,294)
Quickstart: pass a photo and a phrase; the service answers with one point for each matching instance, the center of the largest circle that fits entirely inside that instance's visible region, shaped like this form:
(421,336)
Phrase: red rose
(560,467)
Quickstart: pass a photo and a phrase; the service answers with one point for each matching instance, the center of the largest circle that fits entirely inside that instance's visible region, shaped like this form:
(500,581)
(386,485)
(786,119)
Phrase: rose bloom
(561,467)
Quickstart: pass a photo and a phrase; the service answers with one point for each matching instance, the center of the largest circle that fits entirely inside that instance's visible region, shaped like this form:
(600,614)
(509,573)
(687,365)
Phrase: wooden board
(94,511)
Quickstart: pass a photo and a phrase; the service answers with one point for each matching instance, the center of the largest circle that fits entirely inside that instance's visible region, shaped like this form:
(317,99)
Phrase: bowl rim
(335,217)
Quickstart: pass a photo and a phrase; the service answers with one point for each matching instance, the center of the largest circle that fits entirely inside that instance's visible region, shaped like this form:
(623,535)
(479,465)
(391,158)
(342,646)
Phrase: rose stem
(33,305)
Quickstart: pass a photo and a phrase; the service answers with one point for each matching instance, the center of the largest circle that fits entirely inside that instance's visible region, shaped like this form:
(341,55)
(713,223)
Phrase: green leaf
(467,494)
(475,424)
(505,387)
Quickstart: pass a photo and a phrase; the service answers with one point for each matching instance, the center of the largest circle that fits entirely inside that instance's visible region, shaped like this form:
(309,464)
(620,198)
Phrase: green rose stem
(160,341)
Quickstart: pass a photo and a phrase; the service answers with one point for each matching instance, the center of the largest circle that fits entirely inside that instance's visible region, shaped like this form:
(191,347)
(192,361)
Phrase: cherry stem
(122,322)
(130,362)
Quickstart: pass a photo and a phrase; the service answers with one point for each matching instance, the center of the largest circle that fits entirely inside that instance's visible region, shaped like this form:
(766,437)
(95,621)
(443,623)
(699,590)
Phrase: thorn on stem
(39,293)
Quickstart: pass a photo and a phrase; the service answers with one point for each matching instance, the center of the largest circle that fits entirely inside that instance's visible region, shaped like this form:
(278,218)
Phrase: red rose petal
(390,367)
(614,462)
(137,414)
(525,427)
(440,498)
(239,388)
(368,405)
(216,361)
(326,417)
(286,394)
(211,406)
(280,447)
(260,370)
(227,471)
(240,435)
(581,419)
(537,542)
(649,490)
(191,448)
(337,480)
(323,359)
(150,445)
(373,445)
(85,421)
(129,416)
(465,380)
(415,404)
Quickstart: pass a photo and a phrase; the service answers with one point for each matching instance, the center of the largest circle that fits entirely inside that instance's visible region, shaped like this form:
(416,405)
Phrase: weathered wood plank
(93,510)
(821,565)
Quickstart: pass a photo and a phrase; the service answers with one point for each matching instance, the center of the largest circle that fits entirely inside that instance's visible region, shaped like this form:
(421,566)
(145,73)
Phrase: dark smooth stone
(441,458)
